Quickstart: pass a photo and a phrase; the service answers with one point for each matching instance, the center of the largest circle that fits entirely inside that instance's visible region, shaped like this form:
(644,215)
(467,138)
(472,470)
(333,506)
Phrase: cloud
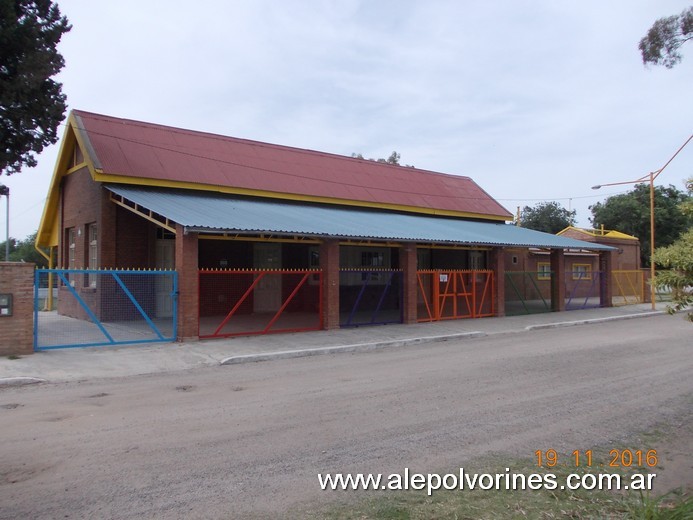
(532,99)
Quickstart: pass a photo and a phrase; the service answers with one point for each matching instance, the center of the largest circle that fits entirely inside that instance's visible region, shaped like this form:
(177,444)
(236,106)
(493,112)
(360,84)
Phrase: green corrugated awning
(205,212)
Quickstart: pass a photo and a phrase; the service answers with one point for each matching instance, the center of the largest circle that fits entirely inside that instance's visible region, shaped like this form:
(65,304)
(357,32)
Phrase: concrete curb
(359,347)
(593,320)
(20,381)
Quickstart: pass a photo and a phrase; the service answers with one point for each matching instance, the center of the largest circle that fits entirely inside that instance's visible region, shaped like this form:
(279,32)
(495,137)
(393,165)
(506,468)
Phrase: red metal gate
(259,301)
(455,294)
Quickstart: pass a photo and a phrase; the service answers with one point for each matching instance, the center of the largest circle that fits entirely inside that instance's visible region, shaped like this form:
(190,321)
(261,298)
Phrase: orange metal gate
(454,294)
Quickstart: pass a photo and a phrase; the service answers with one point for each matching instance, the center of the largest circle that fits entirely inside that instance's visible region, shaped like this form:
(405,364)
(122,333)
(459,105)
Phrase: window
(372,259)
(314,257)
(92,263)
(70,252)
(477,260)
(515,260)
(544,271)
(582,271)
(314,263)
(423,258)
(77,157)
(164,234)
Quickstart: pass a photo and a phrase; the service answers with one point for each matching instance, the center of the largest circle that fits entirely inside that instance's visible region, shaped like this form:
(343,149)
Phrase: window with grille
(70,252)
(544,271)
(92,255)
(582,272)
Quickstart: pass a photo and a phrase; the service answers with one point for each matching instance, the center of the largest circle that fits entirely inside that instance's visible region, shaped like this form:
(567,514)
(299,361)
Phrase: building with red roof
(362,238)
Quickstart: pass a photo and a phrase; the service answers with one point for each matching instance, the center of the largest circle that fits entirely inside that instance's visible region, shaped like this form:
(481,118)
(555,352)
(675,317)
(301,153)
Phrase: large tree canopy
(549,217)
(32,105)
(630,213)
(665,37)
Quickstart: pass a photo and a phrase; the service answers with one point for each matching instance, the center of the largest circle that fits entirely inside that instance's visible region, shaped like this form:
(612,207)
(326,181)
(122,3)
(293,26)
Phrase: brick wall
(16,331)
(329,263)
(81,200)
(80,205)
(408,260)
(134,238)
(496,262)
(628,257)
(125,241)
(557,259)
(188,285)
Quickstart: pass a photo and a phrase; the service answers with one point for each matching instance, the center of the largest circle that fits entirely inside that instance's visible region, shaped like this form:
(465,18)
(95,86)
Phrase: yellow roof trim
(158,183)
(606,233)
(48,231)
(618,234)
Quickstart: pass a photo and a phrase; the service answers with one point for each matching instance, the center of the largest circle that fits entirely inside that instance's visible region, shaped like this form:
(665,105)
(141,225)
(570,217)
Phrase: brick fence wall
(16,331)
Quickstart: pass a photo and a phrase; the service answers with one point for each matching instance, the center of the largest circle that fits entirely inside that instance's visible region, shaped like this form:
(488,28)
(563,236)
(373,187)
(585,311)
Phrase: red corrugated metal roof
(132,149)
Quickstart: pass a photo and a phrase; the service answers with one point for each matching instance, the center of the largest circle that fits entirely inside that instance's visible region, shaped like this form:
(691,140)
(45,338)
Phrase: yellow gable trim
(618,234)
(599,233)
(158,183)
(48,231)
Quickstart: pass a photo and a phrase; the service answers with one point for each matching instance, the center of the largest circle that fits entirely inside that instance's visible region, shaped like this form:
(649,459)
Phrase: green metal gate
(527,292)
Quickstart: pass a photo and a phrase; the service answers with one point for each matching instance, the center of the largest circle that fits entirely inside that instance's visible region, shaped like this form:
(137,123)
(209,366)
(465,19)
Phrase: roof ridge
(254,142)
(130,149)
(599,232)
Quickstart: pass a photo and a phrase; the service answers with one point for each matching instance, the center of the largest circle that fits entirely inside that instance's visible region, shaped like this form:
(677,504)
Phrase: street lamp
(650,177)
(5,190)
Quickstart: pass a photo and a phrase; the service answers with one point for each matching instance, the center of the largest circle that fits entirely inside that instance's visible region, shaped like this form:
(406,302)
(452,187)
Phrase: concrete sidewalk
(76,364)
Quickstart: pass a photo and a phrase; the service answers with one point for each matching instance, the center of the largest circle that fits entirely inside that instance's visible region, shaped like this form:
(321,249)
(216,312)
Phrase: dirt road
(228,442)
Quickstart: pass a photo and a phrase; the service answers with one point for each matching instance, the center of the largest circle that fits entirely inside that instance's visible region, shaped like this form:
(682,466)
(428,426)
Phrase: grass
(669,506)
(501,504)
(13,357)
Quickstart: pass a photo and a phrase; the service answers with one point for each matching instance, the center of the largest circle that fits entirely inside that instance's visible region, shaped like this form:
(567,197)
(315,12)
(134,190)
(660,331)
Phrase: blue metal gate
(91,308)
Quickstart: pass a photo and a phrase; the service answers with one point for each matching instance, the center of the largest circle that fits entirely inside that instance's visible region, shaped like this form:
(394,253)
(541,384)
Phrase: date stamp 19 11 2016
(617,458)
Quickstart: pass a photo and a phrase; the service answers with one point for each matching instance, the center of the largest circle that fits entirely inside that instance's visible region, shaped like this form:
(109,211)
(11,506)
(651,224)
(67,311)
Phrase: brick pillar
(557,280)
(408,264)
(17,322)
(606,285)
(646,291)
(497,265)
(107,232)
(188,285)
(329,263)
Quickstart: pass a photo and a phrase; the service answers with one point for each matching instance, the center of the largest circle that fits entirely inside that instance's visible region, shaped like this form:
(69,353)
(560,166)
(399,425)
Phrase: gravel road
(249,440)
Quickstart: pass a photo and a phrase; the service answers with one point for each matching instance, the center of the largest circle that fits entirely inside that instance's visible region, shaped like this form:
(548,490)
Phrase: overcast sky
(535,100)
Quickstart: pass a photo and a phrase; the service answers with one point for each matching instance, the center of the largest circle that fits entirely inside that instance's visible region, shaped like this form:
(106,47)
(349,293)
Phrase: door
(165,259)
(477,260)
(268,292)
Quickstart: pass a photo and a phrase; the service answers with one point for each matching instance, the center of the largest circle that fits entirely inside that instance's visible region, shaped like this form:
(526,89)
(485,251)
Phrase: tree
(32,105)
(678,259)
(24,251)
(665,37)
(630,213)
(393,159)
(548,217)
(687,205)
